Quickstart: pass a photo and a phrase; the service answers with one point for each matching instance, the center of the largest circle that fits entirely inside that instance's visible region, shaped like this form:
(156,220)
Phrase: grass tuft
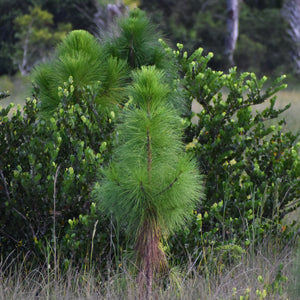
(270,274)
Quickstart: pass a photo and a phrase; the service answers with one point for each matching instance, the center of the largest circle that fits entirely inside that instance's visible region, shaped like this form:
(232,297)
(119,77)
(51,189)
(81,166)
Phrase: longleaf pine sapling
(151,185)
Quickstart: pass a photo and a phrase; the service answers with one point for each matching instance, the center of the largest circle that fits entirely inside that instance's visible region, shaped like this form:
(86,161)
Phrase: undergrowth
(272,273)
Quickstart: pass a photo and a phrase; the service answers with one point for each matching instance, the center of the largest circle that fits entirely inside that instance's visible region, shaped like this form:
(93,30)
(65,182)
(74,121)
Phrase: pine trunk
(152,260)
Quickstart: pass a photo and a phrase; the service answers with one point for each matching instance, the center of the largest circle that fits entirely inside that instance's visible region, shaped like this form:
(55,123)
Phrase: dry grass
(19,88)
(284,98)
(250,277)
(291,115)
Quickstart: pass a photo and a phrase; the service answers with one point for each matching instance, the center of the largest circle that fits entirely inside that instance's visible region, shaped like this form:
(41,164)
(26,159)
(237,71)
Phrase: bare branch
(169,186)
(5,185)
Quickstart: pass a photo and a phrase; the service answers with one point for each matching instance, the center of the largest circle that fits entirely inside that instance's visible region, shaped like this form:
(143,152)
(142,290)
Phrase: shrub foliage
(48,167)
(251,166)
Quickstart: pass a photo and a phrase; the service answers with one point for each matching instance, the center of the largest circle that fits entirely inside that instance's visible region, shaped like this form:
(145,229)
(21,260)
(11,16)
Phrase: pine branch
(131,57)
(149,152)
(169,186)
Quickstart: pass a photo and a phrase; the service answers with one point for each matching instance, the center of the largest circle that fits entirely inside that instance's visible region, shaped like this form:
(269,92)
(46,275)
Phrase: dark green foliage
(56,159)
(193,23)
(6,58)
(10,9)
(76,12)
(263,44)
(68,11)
(252,169)
(261,4)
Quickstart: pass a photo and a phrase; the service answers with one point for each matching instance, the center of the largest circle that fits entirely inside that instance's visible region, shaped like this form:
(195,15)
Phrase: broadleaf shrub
(251,167)
(47,160)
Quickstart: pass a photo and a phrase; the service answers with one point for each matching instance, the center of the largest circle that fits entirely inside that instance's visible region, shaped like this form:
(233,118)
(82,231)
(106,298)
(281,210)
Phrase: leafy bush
(47,169)
(252,169)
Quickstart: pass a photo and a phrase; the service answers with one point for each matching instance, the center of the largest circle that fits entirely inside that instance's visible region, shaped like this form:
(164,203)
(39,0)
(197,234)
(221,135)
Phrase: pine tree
(108,61)
(151,185)
(81,56)
(136,41)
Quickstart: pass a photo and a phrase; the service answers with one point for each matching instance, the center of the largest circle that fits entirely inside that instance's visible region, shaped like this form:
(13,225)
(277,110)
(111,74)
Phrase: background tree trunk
(104,18)
(232,29)
(291,12)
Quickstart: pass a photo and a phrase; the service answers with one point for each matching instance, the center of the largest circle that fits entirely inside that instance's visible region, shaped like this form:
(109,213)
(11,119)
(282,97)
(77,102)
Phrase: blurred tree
(92,15)
(67,11)
(195,23)
(232,29)
(261,47)
(291,12)
(262,43)
(36,37)
(9,9)
(71,11)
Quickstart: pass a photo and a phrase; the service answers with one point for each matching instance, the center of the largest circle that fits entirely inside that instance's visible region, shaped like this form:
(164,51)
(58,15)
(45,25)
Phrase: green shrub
(47,160)
(81,56)
(252,169)
(137,42)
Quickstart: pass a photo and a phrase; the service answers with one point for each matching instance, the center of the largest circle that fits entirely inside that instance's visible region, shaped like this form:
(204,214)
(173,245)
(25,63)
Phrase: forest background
(267,41)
